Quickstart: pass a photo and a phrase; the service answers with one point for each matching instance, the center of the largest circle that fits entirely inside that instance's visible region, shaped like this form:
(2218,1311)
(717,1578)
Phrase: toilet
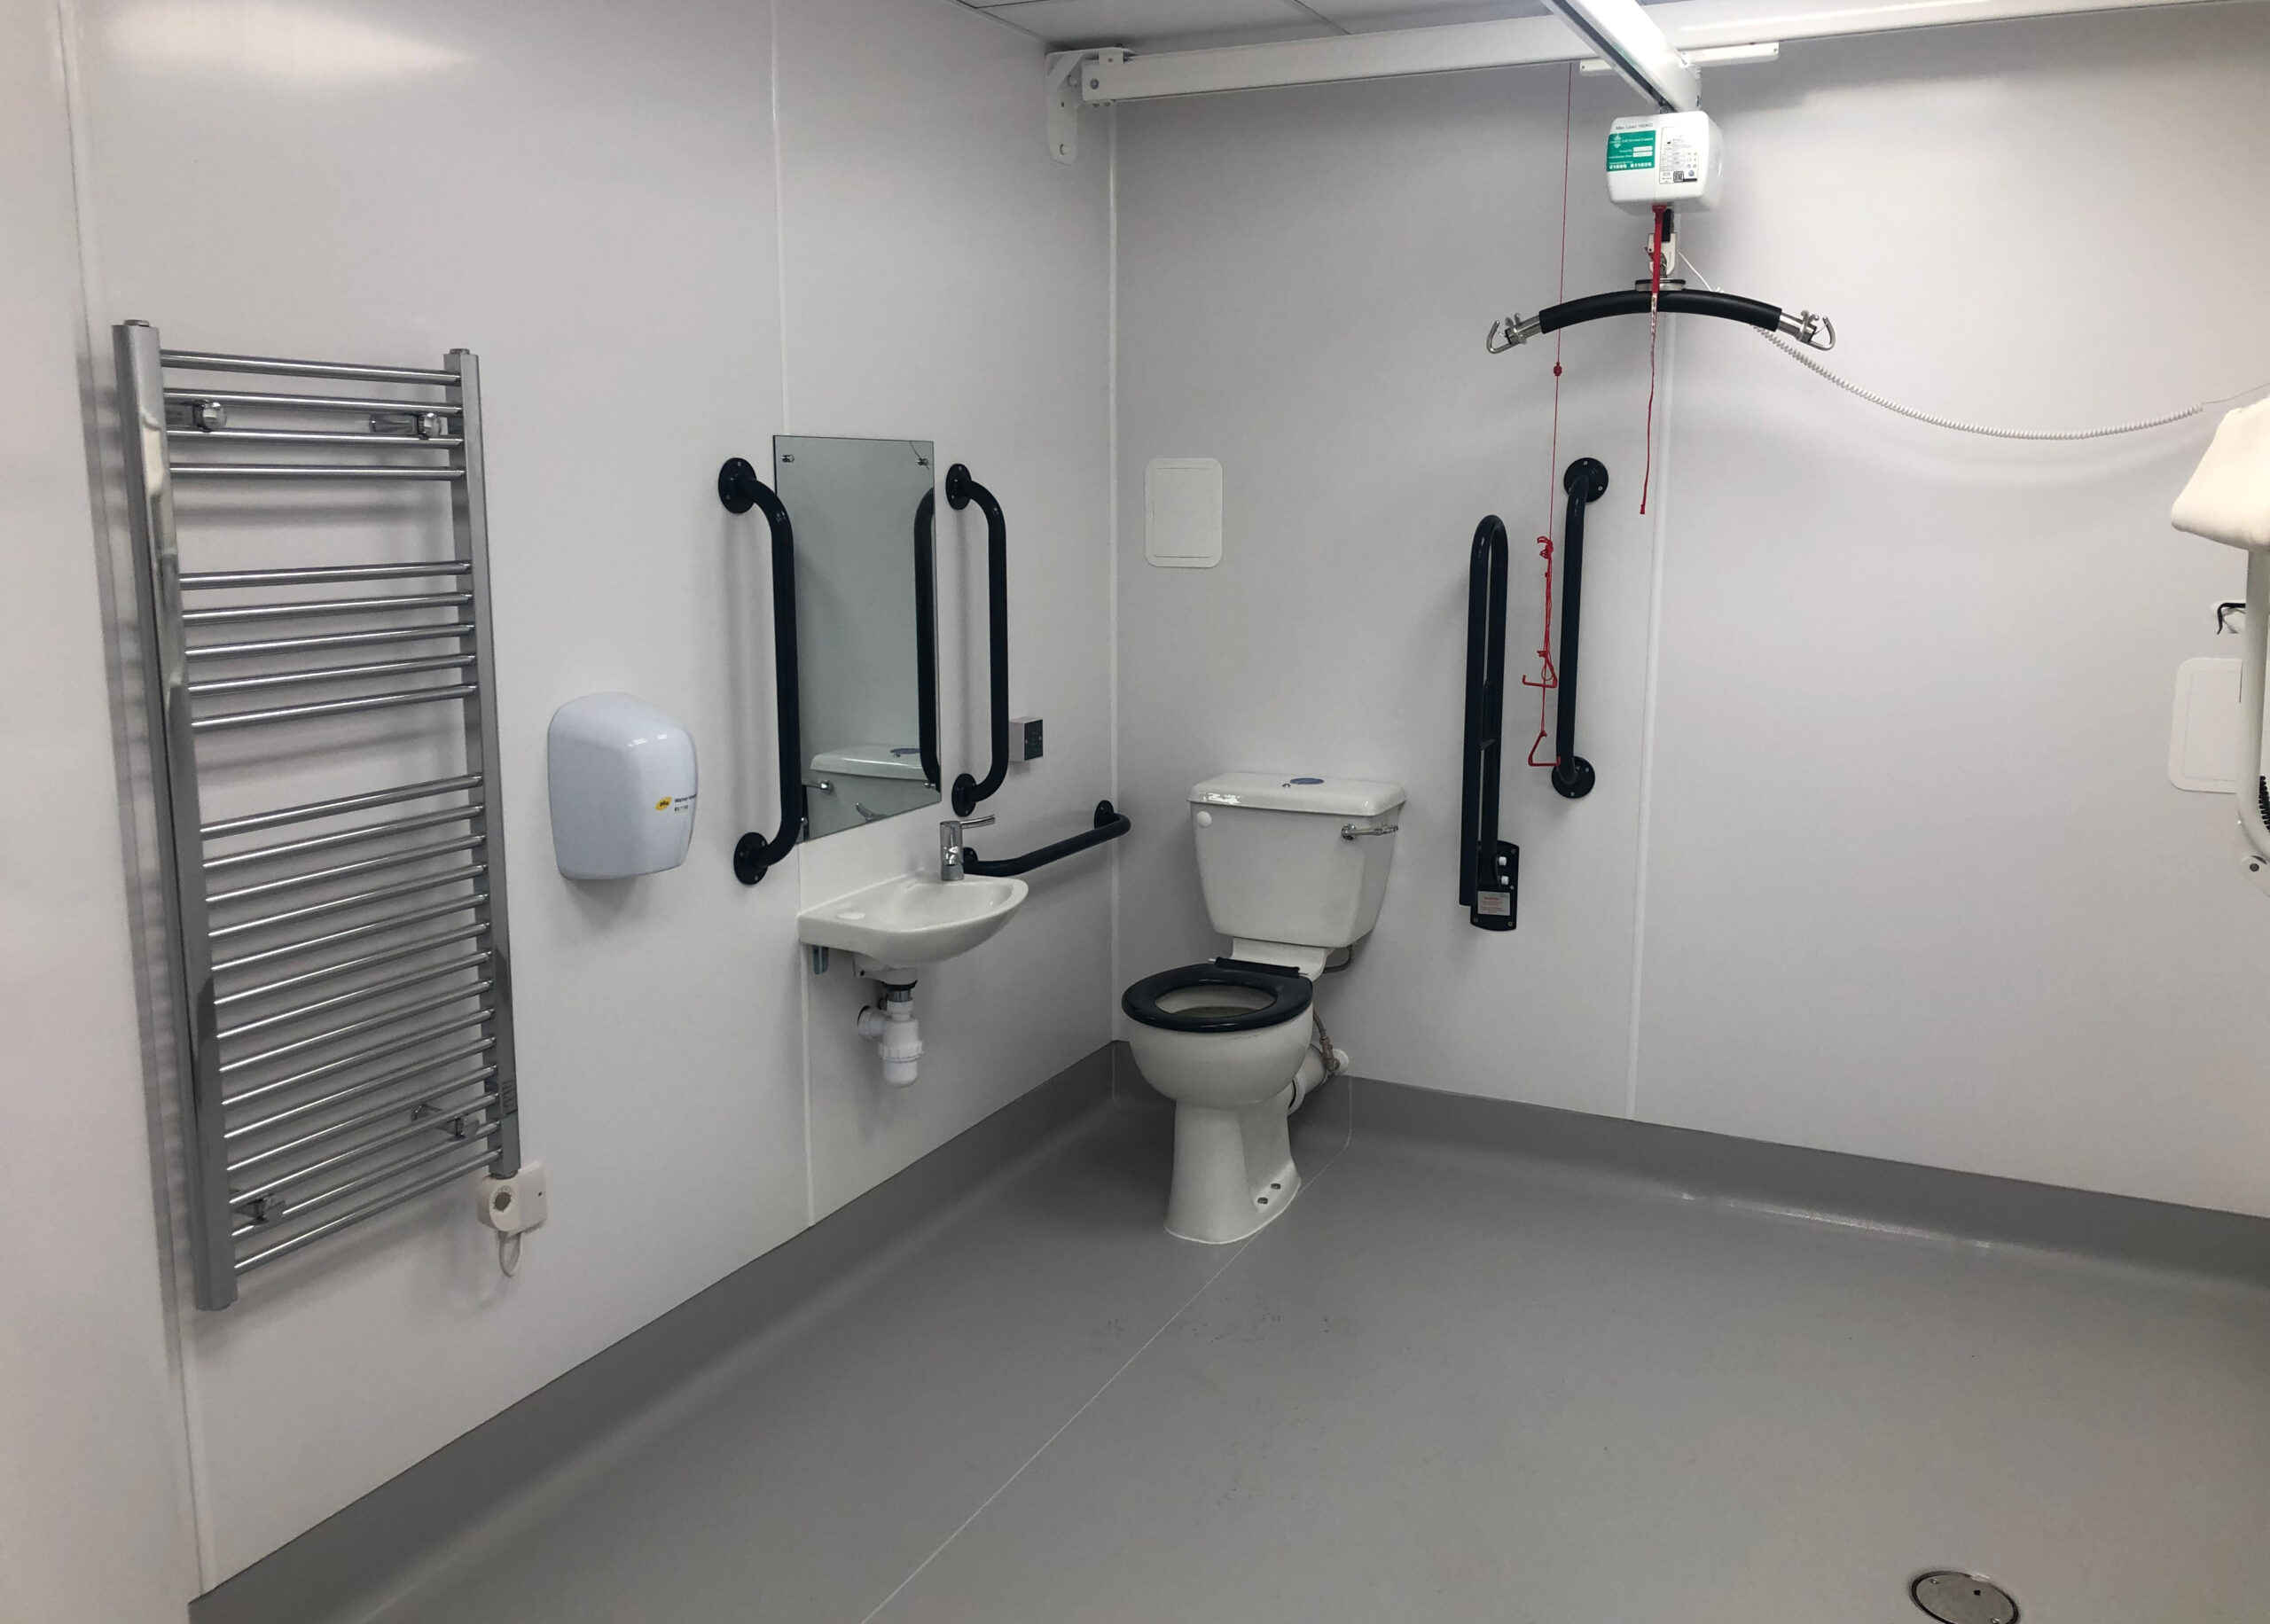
(1293,869)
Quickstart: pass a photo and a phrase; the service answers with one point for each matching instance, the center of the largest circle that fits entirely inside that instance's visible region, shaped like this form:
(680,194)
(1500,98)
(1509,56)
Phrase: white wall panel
(95,1517)
(1920,886)
(946,280)
(1306,280)
(1916,883)
(587,196)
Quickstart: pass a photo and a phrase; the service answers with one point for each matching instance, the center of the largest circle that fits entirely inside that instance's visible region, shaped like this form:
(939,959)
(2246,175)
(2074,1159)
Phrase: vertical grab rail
(740,489)
(961,490)
(1489,868)
(926,634)
(1585,481)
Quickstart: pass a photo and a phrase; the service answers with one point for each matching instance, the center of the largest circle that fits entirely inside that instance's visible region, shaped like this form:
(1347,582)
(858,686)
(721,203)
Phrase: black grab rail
(1109,825)
(740,489)
(961,490)
(1489,875)
(1585,481)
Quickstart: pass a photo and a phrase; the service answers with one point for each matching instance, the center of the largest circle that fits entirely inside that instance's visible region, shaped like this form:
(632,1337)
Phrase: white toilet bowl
(1222,1040)
(1293,868)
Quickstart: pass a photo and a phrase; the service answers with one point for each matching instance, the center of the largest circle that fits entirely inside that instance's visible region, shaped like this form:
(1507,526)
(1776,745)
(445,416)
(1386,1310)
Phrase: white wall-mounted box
(2202,742)
(1182,512)
(1668,158)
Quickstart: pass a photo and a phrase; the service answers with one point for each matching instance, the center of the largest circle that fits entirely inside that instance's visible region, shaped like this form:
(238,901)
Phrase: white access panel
(2203,743)
(1182,512)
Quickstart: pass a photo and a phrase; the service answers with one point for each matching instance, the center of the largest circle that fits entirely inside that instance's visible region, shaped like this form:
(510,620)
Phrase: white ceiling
(1175,25)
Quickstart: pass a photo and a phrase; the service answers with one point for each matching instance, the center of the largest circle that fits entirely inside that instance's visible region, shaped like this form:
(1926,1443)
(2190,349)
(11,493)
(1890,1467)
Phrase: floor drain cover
(1963,1598)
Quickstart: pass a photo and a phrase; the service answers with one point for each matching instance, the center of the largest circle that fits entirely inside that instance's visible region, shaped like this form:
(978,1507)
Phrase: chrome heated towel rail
(323,737)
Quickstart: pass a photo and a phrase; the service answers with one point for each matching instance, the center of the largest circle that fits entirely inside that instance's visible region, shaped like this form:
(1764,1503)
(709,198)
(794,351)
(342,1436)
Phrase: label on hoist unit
(1630,149)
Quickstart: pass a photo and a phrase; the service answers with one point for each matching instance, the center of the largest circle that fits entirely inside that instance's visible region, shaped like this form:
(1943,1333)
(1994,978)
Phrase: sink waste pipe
(892,1028)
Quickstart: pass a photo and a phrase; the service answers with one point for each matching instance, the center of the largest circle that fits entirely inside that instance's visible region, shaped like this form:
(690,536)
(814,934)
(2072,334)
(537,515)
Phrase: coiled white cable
(1957,424)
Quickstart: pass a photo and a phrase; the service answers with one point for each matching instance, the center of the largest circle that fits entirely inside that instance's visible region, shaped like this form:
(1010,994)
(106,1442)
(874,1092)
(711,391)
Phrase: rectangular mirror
(852,503)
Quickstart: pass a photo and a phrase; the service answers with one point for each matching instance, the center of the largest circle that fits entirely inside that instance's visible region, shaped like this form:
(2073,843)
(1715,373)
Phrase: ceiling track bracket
(1064,84)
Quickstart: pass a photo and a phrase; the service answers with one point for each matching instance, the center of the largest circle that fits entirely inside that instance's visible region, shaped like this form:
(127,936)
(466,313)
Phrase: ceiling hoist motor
(1658,164)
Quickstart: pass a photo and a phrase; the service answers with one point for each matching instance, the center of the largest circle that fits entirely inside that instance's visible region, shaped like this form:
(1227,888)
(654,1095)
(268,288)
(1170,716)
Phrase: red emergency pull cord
(1548,676)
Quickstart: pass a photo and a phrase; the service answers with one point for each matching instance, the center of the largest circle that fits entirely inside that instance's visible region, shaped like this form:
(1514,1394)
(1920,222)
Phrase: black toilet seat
(1289,992)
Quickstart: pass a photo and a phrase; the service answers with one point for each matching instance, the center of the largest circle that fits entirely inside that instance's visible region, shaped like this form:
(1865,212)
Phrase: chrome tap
(950,843)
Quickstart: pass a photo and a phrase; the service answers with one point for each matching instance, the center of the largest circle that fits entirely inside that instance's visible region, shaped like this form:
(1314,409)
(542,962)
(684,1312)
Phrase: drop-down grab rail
(1489,874)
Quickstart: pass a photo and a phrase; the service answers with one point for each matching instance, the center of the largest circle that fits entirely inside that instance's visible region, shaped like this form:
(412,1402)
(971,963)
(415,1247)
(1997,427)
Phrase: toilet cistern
(949,844)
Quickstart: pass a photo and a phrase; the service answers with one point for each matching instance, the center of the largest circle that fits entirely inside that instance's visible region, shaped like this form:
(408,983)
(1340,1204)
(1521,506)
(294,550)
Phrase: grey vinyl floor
(1447,1385)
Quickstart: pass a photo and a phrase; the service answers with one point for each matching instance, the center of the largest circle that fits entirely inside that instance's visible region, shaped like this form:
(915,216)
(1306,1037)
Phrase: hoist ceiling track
(1693,27)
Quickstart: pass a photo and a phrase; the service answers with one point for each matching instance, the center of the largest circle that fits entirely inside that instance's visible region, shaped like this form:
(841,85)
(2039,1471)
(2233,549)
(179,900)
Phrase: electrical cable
(1654,322)
(508,1253)
(1547,677)
(1956,424)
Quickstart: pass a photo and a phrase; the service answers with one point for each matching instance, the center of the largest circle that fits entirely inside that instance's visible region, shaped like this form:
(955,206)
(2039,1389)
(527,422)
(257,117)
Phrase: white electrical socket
(515,1204)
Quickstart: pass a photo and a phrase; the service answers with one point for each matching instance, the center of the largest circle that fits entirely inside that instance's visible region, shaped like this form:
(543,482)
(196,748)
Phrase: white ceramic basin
(906,923)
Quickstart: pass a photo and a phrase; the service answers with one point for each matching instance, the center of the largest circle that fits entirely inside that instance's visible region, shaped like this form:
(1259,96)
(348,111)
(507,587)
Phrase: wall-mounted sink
(902,924)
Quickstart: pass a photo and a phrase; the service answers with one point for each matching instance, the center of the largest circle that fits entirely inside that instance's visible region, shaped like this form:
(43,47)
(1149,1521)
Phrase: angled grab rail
(740,489)
(1110,823)
(1585,480)
(1488,873)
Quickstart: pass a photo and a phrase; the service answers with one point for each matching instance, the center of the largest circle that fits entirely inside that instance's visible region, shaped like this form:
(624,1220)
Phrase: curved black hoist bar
(740,489)
(926,634)
(1586,481)
(961,490)
(1817,331)
(1109,825)
(1489,872)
